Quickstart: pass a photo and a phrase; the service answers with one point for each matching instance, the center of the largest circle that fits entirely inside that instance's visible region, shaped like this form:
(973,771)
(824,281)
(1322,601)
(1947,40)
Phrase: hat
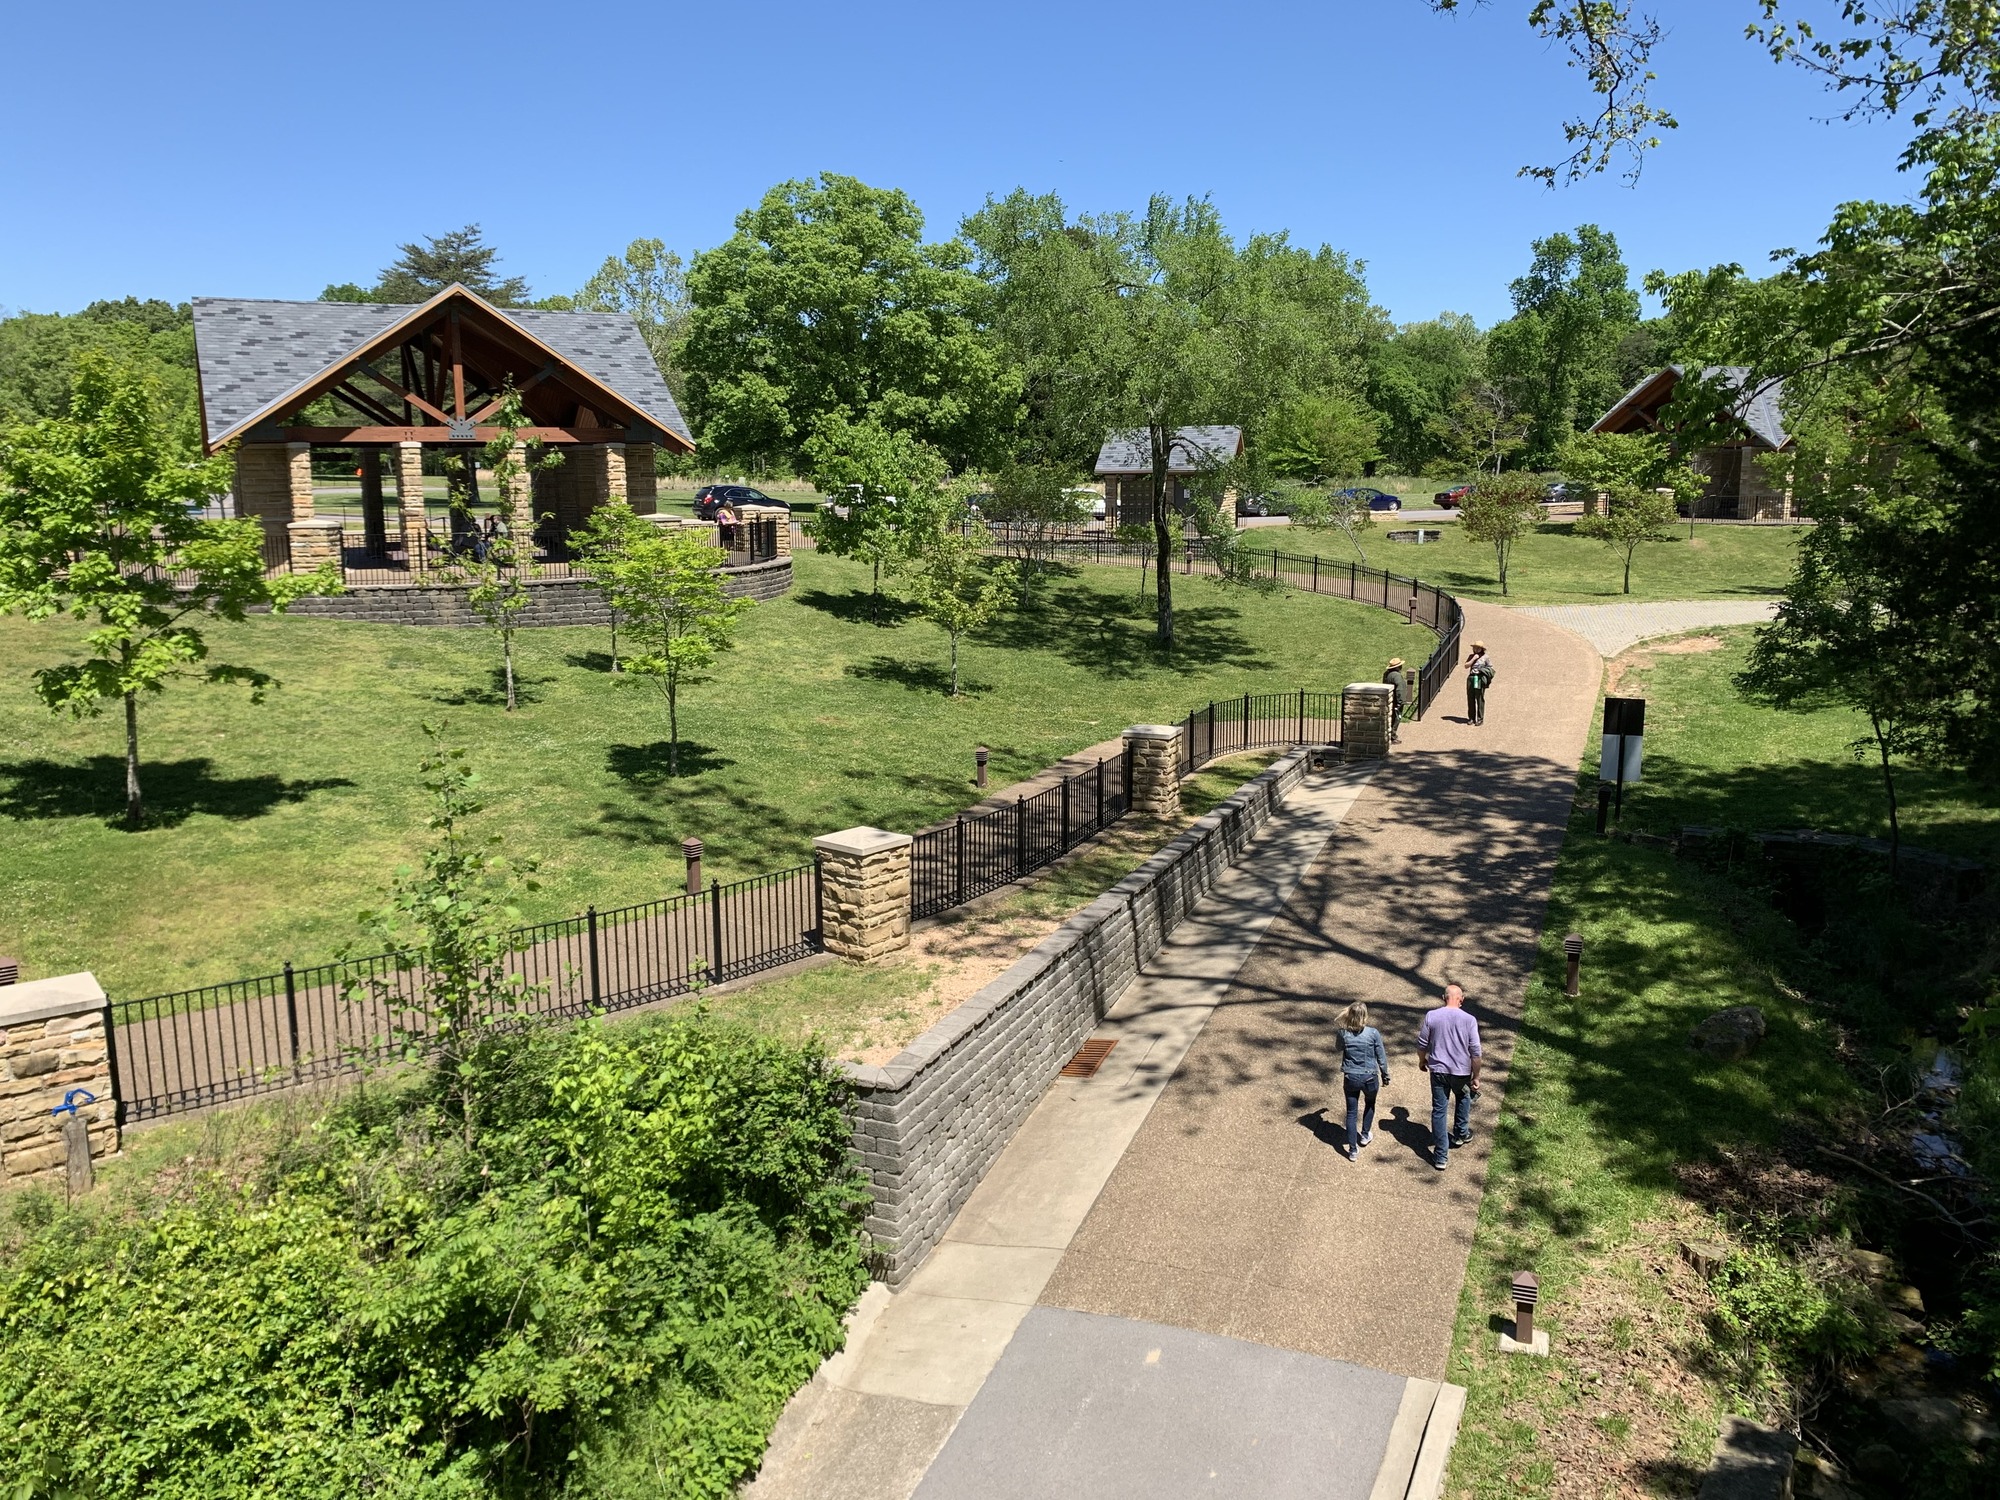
(1479,645)
(1395,661)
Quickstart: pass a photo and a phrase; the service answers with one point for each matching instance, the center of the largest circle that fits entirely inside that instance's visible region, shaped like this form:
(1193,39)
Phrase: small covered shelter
(277,377)
(1737,487)
(1125,464)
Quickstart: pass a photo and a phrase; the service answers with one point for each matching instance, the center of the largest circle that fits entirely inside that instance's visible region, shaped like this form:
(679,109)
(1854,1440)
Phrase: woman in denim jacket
(1364,1068)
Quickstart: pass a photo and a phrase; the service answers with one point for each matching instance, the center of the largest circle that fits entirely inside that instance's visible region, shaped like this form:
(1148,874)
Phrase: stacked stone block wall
(1156,770)
(552,601)
(929,1124)
(51,1041)
(864,892)
(410,494)
(264,486)
(642,478)
(314,542)
(299,479)
(1365,709)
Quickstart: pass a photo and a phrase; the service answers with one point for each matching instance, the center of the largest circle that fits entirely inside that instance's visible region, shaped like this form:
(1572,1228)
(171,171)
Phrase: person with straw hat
(1478,678)
(1393,676)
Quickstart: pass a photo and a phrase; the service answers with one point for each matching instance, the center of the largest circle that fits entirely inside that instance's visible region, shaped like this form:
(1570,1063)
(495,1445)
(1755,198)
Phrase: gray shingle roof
(1193,449)
(253,353)
(1760,409)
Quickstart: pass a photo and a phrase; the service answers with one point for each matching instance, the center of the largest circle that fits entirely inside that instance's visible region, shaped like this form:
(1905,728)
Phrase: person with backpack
(1392,676)
(1364,1069)
(1479,675)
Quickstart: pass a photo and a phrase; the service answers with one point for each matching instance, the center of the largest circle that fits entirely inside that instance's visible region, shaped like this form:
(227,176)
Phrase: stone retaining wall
(554,601)
(929,1124)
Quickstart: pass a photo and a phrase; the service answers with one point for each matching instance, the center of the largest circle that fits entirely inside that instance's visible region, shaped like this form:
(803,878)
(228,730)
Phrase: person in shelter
(1364,1070)
(1448,1049)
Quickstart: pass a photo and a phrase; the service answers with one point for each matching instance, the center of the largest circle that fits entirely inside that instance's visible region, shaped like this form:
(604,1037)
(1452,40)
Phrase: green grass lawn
(1555,566)
(1607,1102)
(274,825)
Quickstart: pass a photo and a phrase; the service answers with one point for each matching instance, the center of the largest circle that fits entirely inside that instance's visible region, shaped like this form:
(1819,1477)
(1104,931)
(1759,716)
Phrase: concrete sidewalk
(1188,1203)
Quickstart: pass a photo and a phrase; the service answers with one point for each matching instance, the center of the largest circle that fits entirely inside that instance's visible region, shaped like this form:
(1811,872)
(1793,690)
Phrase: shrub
(647,1247)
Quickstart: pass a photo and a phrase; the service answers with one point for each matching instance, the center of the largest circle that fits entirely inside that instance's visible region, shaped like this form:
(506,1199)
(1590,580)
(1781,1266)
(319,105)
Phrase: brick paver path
(1611,628)
(1231,1212)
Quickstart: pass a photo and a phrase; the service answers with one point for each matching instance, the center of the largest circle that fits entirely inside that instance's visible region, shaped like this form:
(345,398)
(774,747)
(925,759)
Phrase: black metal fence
(1257,720)
(193,1048)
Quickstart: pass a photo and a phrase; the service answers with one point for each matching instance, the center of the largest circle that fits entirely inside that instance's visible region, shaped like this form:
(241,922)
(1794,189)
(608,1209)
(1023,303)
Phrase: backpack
(1482,675)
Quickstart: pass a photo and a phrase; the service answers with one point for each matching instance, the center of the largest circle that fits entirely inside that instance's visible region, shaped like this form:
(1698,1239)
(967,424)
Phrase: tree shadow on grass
(175,790)
(858,606)
(917,676)
(1111,634)
(494,693)
(645,766)
(588,661)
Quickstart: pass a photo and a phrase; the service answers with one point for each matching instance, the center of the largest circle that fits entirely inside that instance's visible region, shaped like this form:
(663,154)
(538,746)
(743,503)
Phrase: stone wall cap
(1368,687)
(315,523)
(45,999)
(862,841)
(1153,732)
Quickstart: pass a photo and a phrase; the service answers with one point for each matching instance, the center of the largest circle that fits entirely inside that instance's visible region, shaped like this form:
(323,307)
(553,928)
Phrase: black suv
(712,497)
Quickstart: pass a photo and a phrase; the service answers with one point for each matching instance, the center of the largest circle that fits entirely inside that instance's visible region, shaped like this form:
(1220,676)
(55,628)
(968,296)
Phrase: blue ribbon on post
(68,1106)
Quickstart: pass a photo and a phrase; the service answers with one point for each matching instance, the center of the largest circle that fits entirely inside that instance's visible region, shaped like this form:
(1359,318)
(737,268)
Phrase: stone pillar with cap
(410,501)
(1156,769)
(314,541)
(52,1045)
(1366,710)
(864,892)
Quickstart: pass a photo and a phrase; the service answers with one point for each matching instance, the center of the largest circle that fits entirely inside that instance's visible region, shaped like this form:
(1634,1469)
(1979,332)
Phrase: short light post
(979,758)
(1413,605)
(1573,950)
(691,849)
(1526,1338)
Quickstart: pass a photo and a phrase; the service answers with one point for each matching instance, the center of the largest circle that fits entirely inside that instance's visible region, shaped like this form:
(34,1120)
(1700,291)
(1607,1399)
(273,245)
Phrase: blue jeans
(1356,1091)
(1444,1088)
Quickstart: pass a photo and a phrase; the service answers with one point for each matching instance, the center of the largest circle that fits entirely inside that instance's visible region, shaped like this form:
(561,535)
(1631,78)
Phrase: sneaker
(1462,1140)
(1367,1137)
(1439,1165)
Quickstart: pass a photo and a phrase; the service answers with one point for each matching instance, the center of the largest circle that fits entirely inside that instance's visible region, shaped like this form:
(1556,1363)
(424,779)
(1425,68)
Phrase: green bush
(1784,1317)
(612,1287)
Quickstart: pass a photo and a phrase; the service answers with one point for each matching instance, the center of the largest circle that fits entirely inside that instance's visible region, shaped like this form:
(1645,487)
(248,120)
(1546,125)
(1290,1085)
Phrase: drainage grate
(1089,1060)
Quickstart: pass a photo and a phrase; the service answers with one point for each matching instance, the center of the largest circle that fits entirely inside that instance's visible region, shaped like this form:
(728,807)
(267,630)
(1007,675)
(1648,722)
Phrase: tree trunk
(1163,602)
(135,804)
(1500,562)
(673,726)
(507,655)
(1889,786)
(1628,572)
(614,640)
(954,664)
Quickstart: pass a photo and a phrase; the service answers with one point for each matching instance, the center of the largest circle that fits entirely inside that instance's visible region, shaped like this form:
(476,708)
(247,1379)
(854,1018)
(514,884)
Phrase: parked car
(1373,499)
(1558,492)
(1453,499)
(1258,505)
(711,497)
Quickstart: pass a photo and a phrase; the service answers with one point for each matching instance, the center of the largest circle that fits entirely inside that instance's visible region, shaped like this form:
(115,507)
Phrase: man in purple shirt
(1448,1049)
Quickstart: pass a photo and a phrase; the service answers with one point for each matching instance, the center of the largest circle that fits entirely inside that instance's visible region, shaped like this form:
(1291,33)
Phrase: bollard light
(1413,608)
(691,848)
(1527,1292)
(1573,948)
(979,766)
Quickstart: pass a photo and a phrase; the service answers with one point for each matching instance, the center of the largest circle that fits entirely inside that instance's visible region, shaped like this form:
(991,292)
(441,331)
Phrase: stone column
(1156,769)
(611,456)
(642,478)
(299,477)
(314,541)
(410,501)
(520,499)
(374,526)
(864,892)
(51,1041)
(1365,708)
(263,486)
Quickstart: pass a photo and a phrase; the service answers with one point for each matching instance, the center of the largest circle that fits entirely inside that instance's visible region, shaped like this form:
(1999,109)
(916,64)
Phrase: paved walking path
(1611,628)
(1170,1282)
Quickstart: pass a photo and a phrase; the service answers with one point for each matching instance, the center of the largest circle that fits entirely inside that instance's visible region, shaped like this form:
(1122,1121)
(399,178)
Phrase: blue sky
(229,149)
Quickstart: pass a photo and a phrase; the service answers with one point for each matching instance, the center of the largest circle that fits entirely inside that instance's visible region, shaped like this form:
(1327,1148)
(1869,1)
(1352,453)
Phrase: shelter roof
(254,354)
(1192,450)
(1759,404)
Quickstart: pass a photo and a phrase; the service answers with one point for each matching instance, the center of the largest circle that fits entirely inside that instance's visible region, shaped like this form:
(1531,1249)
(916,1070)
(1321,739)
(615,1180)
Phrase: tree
(1557,358)
(95,523)
(39,353)
(1324,435)
(1481,429)
(1147,325)
(452,923)
(1501,511)
(826,303)
(1036,502)
(1635,517)
(496,570)
(951,582)
(604,541)
(890,483)
(1417,377)
(650,282)
(1315,511)
(669,590)
(420,272)
(1614,461)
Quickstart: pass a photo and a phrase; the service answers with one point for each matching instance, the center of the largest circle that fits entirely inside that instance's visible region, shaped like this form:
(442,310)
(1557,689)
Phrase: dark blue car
(1374,499)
